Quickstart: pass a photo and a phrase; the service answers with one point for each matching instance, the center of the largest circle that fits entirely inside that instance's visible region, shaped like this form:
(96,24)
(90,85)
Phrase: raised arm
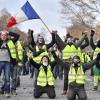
(78,44)
(60,43)
(89,65)
(30,56)
(85,44)
(14,36)
(93,46)
(36,65)
(53,40)
(31,38)
(53,63)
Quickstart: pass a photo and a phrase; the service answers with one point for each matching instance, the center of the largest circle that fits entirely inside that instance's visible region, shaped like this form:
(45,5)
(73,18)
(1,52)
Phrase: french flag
(26,13)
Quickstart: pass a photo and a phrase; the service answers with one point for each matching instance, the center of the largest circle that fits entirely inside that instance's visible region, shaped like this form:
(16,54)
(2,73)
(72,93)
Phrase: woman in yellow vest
(76,78)
(45,79)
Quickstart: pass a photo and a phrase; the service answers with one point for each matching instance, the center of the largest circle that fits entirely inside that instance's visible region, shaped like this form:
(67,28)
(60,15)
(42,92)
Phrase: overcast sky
(48,10)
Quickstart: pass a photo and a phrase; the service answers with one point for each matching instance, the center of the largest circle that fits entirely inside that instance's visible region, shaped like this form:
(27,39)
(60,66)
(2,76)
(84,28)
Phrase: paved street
(25,92)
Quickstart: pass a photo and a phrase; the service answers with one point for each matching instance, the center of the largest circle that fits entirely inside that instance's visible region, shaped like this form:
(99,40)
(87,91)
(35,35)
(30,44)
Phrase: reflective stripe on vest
(87,58)
(43,47)
(82,57)
(19,50)
(38,58)
(69,52)
(96,51)
(78,76)
(79,52)
(12,49)
(51,57)
(43,79)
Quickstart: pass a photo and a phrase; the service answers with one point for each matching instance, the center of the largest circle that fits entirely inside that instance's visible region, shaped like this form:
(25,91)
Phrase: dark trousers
(50,91)
(58,71)
(30,68)
(73,92)
(65,66)
(13,75)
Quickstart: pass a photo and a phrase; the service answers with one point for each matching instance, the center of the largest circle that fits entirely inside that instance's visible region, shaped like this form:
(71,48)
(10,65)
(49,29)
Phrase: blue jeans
(30,68)
(5,66)
(58,71)
(13,75)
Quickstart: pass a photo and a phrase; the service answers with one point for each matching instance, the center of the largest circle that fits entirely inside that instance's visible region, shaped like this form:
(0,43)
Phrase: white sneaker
(7,95)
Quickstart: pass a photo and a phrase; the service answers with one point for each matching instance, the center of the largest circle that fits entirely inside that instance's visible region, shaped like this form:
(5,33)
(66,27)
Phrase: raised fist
(92,33)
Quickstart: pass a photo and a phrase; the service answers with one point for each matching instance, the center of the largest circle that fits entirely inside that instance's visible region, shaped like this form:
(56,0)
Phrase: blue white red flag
(26,13)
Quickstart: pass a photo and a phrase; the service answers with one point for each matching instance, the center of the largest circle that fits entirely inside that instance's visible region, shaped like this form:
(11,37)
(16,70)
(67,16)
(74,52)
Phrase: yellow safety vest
(69,52)
(51,57)
(38,58)
(87,58)
(79,52)
(82,57)
(12,49)
(43,79)
(19,50)
(96,51)
(78,76)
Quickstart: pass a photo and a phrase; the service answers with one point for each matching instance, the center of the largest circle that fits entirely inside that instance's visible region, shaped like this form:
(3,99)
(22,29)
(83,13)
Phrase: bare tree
(84,12)
(4,15)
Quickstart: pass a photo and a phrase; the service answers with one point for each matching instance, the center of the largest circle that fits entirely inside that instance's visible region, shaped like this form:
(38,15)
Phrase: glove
(84,33)
(98,57)
(92,33)
(54,32)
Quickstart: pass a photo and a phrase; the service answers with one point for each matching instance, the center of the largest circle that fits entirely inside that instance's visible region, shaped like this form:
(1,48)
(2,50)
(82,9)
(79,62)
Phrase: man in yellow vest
(15,68)
(96,68)
(45,78)
(7,57)
(84,57)
(19,48)
(40,48)
(69,50)
(76,78)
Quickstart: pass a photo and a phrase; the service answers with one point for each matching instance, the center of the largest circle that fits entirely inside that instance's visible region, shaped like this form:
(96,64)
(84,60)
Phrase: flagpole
(45,25)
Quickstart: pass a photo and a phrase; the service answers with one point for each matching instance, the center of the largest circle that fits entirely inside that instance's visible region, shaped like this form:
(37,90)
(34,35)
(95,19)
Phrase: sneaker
(7,95)
(64,92)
